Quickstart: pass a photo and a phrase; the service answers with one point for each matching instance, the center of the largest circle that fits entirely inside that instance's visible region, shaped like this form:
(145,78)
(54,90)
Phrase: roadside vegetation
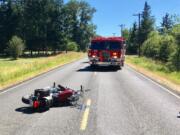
(156,67)
(155,49)
(34,34)
(15,47)
(13,71)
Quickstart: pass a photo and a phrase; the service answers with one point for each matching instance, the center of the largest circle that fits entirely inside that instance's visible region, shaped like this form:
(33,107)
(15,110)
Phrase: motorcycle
(51,96)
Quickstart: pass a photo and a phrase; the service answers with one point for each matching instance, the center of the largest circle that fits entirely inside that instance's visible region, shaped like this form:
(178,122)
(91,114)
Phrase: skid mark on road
(84,120)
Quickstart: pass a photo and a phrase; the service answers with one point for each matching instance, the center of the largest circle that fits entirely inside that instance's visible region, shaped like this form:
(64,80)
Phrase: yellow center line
(85,116)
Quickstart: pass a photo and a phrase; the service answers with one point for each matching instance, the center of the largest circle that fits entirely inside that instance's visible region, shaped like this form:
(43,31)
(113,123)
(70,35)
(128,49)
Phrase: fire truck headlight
(93,56)
(115,57)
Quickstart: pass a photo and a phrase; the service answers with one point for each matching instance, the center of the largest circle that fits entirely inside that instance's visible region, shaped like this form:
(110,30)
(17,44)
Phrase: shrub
(174,60)
(151,46)
(167,46)
(15,47)
(72,46)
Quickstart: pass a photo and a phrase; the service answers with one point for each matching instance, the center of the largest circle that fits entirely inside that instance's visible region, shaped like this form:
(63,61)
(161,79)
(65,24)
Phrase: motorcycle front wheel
(25,99)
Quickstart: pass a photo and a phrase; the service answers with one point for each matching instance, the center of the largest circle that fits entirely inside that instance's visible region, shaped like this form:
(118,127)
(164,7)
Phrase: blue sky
(111,13)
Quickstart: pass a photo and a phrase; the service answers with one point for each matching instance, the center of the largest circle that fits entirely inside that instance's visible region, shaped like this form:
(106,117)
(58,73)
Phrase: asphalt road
(119,103)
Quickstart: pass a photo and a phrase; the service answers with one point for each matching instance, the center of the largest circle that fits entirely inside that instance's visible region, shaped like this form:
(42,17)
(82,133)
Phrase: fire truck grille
(106,56)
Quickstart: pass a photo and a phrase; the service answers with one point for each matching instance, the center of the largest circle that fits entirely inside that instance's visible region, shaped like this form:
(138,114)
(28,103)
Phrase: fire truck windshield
(105,45)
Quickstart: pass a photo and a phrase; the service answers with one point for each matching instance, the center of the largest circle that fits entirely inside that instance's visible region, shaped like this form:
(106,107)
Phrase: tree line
(45,25)
(159,43)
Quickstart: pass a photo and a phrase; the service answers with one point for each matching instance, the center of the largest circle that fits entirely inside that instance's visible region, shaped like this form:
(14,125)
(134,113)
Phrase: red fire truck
(107,51)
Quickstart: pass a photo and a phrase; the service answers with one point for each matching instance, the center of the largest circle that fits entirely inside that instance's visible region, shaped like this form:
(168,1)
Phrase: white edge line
(3,92)
(154,82)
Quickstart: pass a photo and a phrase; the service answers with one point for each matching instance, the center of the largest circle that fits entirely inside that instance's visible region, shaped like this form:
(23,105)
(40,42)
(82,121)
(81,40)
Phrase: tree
(167,22)
(86,28)
(8,22)
(55,25)
(71,11)
(132,44)
(44,28)
(35,24)
(174,60)
(151,46)
(80,27)
(15,47)
(46,24)
(72,46)
(125,34)
(167,47)
(147,23)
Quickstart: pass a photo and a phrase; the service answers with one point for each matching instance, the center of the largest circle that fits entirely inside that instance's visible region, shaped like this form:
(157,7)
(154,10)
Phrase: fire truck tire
(25,99)
(119,67)
(93,66)
(122,63)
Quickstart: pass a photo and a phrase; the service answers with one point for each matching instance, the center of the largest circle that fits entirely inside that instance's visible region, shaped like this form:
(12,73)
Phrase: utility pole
(139,22)
(121,26)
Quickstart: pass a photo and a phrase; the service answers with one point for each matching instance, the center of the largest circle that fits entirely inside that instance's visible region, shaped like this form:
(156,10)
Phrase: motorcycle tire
(46,104)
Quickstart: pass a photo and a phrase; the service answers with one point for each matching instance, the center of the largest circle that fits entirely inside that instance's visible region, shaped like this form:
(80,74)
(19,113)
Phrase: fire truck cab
(107,51)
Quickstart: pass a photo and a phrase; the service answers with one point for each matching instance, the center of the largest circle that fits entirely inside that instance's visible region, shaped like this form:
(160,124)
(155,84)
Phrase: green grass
(155,67)
(13,71)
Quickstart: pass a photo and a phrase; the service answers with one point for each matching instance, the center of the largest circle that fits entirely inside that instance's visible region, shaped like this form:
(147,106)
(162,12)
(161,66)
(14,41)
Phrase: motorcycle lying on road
(51,96)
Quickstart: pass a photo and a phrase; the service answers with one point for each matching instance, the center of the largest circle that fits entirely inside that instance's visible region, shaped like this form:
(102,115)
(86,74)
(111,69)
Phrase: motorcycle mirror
(82,88)
(54,84)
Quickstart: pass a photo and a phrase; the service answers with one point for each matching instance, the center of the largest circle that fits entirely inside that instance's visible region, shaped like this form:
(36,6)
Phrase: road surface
(119,103)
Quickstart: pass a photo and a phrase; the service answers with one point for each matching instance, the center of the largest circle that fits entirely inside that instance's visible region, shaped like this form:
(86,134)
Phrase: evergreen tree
(167,22)
(8,22)
(147,23)
(133,40)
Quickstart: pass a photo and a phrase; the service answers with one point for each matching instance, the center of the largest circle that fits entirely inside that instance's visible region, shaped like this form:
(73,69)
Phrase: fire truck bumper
(103,63)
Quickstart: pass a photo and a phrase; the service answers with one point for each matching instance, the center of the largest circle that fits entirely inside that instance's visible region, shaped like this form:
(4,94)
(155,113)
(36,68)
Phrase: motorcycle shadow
(30,110)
